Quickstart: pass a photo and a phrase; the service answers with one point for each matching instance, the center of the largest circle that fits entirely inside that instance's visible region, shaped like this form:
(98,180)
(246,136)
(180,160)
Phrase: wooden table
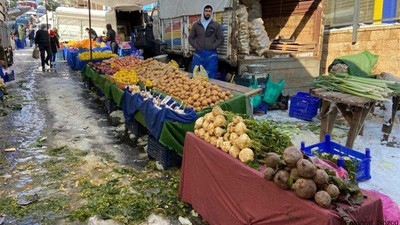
(249,92)
(354,109)
(387,128)
(226,86)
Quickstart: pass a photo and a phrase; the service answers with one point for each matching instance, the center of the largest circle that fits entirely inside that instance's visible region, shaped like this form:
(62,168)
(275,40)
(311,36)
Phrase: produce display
(364,87)
(84,44)
(126,76)
(103,68)
(199,94)
(229,137)
(260,144)
(127,63)
(294,170)
(85,56)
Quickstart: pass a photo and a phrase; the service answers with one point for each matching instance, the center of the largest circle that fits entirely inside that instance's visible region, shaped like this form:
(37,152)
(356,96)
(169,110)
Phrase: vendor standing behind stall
(92,33)
(149,49)
(111,38)
(206,36)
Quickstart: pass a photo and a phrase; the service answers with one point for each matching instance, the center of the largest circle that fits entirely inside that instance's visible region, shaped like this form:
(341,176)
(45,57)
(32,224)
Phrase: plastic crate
(111,106)
(159,152)
(363,160)
(7,77)
(124,52)
(137,128)
(262,108)
(303,106)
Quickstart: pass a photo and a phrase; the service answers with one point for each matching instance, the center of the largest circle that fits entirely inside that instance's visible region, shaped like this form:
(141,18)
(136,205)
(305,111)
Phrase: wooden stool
(354,109)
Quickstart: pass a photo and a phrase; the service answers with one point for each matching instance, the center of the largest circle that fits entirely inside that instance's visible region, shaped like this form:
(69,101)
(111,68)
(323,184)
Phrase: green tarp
(360,64)
(110,89)
(173,133)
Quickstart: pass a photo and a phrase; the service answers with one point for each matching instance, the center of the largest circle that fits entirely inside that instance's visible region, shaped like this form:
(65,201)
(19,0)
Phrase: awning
(124,5)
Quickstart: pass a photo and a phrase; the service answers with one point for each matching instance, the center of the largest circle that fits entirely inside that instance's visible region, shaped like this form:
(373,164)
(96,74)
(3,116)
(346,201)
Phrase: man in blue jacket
(206,36)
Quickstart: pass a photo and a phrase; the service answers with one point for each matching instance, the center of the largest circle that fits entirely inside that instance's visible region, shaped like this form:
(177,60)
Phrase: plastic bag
(256,100)
(259,40)
(200,73)
(244,36)
(36,53)
(273,90)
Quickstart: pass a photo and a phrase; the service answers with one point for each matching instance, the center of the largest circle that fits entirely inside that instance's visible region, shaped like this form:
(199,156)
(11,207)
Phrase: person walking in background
(92,33)
(21,32)
(31,37)
(110,37)
(206,36)
(16,38)
(42,40)
(54,45)
(56,33)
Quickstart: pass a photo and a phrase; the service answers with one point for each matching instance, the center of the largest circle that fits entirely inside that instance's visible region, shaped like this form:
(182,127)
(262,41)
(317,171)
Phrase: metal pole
(355,20)
(90,30)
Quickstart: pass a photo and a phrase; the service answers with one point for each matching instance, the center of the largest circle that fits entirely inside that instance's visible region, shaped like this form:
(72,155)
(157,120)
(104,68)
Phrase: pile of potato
(199,94)
(308,181)
(231,138)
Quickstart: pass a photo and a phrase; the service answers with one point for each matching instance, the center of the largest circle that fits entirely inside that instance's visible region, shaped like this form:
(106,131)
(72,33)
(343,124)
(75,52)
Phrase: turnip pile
(293,170)
(229,137)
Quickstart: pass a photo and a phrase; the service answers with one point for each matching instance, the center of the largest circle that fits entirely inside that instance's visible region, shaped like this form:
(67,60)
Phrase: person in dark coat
(111,38)
(149,35)
(54,45)
(31,37)
(42,40)
(206,36)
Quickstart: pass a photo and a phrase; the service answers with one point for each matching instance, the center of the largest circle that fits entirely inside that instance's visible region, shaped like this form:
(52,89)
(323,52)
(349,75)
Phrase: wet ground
(63,160)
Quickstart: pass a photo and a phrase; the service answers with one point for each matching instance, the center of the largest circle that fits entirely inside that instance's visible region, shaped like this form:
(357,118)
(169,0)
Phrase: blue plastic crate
(263,107)
(124,52)
(303,106)
(363,160)
(166,156)
(7,77)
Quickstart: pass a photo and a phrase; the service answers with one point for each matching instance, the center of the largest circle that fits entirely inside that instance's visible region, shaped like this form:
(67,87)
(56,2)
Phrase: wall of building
(383,40)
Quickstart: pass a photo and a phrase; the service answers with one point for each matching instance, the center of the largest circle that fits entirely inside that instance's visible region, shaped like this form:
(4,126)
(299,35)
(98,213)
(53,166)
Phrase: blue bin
(7,77)
(263,107)
(124,52)
(363,160)
(303,106)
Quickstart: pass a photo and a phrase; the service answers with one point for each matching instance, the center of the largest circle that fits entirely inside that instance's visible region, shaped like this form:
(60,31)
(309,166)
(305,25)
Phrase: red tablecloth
(225,191)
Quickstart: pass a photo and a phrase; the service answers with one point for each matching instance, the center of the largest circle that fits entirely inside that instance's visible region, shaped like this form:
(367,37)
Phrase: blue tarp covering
(154,116)
(72,54)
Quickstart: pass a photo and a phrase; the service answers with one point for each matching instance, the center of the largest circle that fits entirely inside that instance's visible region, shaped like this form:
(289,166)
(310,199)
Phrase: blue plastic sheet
(154,116)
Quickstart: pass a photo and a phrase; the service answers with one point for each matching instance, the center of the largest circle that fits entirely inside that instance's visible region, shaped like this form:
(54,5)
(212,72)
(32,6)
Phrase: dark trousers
(53,56)
(43,50)
(114,47)
(31,42)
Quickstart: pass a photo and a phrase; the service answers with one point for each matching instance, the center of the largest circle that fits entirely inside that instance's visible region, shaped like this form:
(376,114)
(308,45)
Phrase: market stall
(165,125)
(225,191)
